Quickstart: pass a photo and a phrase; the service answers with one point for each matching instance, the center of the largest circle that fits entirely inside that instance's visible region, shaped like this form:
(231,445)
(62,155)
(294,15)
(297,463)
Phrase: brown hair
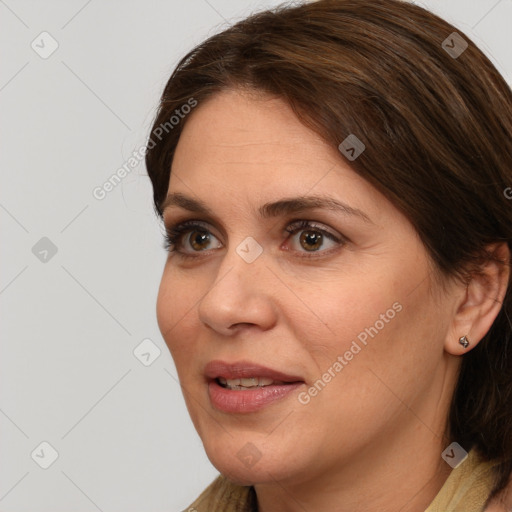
(438,134)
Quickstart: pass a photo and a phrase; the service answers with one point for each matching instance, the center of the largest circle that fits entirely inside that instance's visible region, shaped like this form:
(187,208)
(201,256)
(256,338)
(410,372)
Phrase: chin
(247,465)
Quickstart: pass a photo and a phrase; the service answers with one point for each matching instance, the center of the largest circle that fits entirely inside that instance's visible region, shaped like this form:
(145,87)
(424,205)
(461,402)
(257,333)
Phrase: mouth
(244,387)
(248,383)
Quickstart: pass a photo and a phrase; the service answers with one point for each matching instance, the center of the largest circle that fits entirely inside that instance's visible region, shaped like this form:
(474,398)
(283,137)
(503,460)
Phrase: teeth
(245,383)
(249,383)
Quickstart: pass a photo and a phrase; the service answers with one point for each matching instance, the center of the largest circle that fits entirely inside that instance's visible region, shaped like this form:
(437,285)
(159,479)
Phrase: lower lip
(239,401)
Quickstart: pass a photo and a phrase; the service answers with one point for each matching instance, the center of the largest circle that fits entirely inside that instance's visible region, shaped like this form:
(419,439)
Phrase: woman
(332,178)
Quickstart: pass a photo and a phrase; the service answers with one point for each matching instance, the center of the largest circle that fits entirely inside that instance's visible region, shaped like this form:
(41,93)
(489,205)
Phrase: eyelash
(174,234)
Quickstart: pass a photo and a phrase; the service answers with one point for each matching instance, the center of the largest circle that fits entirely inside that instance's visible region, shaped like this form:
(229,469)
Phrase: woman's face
(344,306)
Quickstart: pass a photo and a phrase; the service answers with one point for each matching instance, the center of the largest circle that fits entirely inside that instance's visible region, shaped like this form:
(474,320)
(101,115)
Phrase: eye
(198,238)
(192,237)
(312,238)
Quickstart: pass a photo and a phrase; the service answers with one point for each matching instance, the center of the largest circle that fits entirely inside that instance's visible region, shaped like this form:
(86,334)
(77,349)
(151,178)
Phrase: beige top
(465,490)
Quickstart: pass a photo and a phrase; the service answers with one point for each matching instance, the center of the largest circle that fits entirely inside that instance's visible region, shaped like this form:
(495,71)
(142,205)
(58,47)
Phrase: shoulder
(223,495)
(503,501)
(467,488)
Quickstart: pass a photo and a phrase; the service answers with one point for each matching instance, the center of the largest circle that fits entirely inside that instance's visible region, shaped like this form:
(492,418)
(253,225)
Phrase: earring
(463,340)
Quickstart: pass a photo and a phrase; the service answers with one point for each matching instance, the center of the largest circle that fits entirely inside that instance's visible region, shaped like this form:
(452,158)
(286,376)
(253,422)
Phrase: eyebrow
(284,206)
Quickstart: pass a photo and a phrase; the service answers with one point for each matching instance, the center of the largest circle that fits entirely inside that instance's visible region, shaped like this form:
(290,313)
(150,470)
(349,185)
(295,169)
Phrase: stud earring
(463,340)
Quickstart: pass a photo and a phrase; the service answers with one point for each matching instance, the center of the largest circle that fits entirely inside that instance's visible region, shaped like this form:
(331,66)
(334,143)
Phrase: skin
(502,502)
(379,424)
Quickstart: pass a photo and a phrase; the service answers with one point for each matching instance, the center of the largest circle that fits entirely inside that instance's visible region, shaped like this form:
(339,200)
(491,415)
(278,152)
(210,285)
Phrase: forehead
(239,134)
(253,127)
(252,149)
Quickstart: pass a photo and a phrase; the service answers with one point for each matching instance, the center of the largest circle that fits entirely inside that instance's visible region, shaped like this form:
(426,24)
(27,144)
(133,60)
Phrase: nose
(240,296)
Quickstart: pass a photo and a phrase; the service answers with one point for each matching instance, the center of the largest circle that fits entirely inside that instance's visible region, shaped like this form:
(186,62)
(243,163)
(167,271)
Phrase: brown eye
(311,240)
(199,240)
(189,238)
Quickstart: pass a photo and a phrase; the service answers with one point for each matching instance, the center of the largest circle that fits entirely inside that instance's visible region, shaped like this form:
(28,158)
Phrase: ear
(480,300)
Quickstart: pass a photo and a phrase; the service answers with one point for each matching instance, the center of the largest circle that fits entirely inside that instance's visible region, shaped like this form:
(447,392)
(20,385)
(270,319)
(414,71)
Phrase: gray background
(70,321)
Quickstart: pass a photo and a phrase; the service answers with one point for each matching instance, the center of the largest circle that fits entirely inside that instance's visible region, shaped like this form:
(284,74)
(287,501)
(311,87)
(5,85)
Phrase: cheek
(371,322)
(350,309)
(175,311)
(388,347)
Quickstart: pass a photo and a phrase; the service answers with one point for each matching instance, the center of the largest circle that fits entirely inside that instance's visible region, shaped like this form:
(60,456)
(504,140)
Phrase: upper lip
(245,369)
